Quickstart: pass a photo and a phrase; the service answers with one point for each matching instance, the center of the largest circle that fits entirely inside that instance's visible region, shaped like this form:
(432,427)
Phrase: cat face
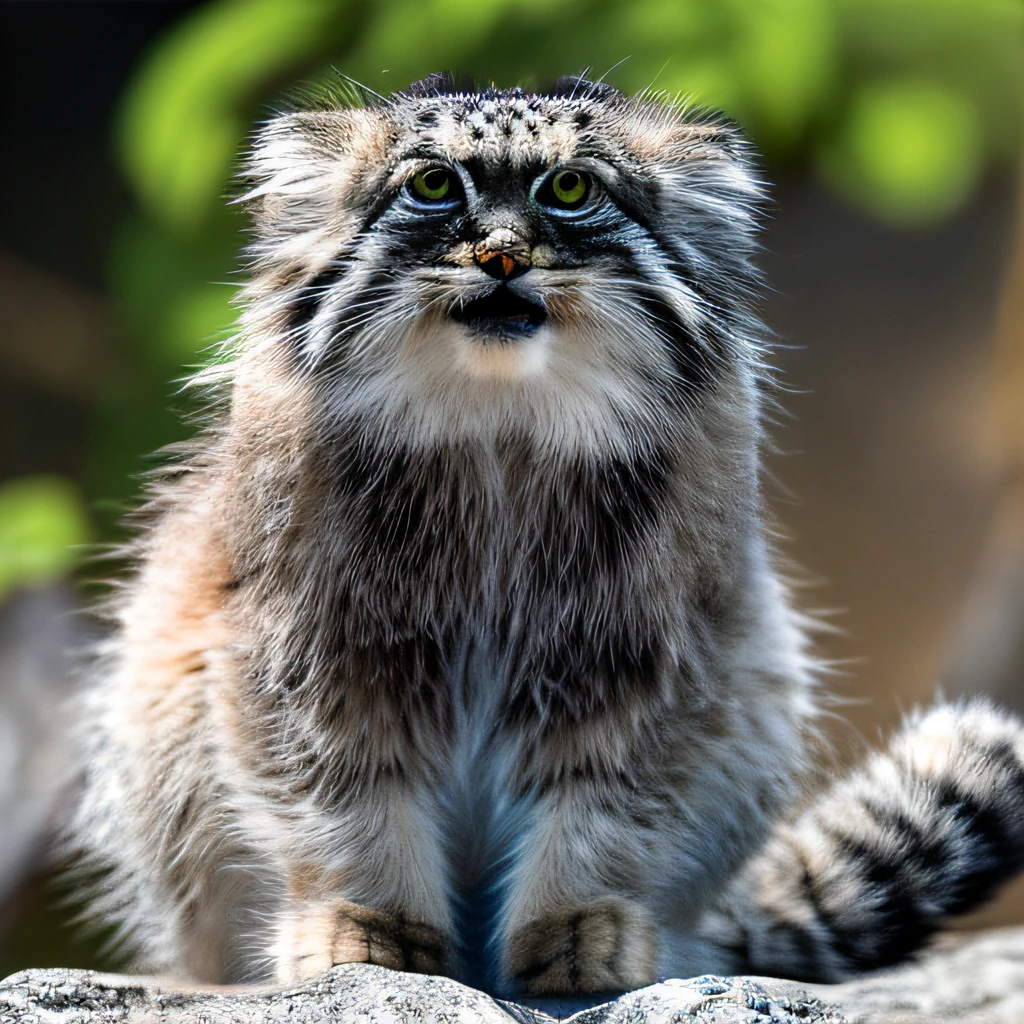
(506,248)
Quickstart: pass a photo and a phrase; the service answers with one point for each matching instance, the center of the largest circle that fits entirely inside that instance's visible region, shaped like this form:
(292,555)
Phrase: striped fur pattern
(871,869)
(456,642)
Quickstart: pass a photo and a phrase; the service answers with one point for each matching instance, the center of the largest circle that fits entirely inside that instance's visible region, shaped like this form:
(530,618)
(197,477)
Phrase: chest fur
(388,561)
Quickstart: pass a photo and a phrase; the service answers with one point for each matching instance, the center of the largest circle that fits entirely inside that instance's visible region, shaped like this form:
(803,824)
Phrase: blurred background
(892,130)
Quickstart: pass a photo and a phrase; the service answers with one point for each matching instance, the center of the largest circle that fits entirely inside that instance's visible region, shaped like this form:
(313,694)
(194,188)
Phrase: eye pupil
(433,184)
(569,189)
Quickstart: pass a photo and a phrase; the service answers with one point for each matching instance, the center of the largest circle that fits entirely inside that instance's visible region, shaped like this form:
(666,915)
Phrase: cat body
(456,643)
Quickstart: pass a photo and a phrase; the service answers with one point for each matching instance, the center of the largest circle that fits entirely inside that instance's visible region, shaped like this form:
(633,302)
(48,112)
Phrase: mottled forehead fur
(525,131)
(512,128)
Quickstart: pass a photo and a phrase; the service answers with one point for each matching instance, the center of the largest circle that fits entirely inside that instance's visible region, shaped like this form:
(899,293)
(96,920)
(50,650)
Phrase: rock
(977,981)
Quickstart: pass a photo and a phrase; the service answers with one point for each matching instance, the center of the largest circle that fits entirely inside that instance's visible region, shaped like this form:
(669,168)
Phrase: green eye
(434,184)
(570,188)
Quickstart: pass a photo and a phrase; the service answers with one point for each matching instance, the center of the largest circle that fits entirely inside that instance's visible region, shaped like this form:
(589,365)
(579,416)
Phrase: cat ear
(291,154)
(299,180)
(710,183)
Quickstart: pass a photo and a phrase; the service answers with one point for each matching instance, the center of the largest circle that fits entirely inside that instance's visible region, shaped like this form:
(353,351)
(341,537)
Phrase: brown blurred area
(899,461)
(889,448)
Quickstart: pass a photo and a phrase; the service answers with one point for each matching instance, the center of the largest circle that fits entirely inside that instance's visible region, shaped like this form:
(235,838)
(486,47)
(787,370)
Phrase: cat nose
(499,264)
(502,255)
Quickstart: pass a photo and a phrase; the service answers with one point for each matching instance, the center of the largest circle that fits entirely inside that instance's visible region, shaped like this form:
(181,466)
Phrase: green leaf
(909,151)
(42,523)
(187,111)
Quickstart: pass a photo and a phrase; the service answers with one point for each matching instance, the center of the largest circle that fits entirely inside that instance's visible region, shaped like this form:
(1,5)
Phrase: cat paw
(604,947)
(311,941)
(388,940)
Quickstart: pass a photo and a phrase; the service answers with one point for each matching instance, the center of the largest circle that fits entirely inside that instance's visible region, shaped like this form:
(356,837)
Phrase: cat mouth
(501,314)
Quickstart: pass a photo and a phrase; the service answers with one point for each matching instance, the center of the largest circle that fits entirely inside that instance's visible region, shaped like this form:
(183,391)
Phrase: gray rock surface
(975,981)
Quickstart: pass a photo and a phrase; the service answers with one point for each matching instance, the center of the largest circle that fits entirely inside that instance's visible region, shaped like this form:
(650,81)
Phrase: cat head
(446,248)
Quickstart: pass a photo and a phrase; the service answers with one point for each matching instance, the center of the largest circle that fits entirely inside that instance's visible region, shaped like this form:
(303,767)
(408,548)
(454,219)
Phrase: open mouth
(501,314)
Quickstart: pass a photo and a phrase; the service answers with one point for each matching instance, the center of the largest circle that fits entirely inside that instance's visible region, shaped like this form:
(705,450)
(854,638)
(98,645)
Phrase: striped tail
(873,866)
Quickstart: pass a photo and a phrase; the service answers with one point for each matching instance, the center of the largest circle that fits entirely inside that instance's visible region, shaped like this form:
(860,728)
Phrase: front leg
(577,916)
(378,894)
(314,935)
(600,945)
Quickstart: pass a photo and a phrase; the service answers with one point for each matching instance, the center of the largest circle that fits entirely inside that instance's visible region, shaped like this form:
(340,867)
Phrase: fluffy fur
(456,644)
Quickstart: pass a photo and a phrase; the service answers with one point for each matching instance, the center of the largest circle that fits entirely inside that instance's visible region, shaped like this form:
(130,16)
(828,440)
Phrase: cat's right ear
(290,154)
(300,168)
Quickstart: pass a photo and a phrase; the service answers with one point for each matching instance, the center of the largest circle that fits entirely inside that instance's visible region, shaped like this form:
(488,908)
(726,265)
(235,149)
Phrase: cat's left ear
(705,165)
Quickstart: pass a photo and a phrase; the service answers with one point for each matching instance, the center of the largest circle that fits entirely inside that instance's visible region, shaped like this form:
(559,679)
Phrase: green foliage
(909,151)
(803,76)
(42,526)
(183,118)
